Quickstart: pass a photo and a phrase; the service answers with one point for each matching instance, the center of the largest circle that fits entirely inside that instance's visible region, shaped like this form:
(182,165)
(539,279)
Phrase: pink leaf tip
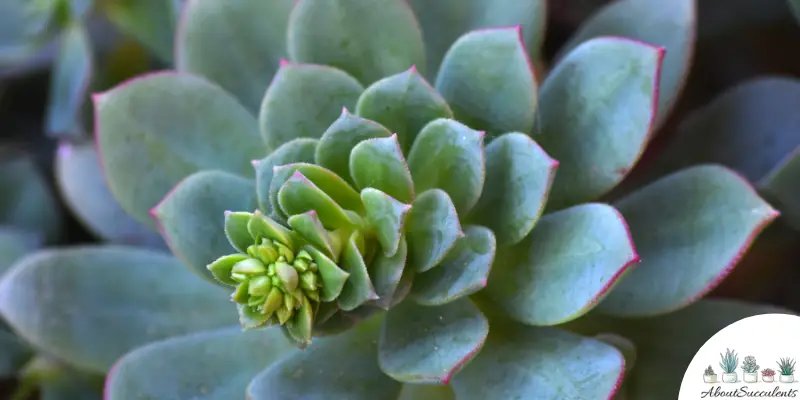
(284,62)
(227,212)
(255,163)
(64,149)
(413,69)
(345,111)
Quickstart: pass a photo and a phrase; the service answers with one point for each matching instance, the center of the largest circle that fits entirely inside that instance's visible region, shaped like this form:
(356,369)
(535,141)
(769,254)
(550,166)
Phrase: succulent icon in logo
(728,363)
(750,369)
(709,376)
(786,366)
(768,375)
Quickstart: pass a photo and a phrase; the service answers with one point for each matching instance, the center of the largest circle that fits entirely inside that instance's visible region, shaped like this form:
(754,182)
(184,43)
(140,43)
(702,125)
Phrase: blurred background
(45,115)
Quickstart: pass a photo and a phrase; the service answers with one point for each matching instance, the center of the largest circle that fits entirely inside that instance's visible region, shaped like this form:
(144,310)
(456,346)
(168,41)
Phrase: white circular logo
(754,358)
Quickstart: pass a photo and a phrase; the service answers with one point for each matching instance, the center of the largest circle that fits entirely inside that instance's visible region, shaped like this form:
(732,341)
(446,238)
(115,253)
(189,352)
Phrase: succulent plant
(709,371)
(768,372)
(728,361)
(749,365)
(786,366)
(400,207)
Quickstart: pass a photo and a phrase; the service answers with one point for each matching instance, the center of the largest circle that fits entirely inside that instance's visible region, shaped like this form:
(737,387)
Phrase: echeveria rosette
(405,170)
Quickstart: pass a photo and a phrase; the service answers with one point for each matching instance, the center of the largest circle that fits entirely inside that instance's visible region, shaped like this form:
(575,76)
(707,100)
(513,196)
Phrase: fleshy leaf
(501,94)
(302,100)
(596,111)
(358,288)
(300,327)
(354,375)
(449,155)
(193,221)
(310,228)
(404,103)
(24,22)
(339,139)
(150,22)
(523,362)
(430,344)
(518,178)
(175,368)
(369,40)
(671,25)
(782,188)
(379,163)
(155,130)
(463,272)
(294,151)
(432,229)
(732,131)
(14,244)
(237,44)
(387,275)
(237,229)
(564,267)
(666,344)
(387,217)
(84,190)
(690,229)
(89,305)
(27,202)
(326,180)
(333,278)
(441,27)
(298,195)
(624,345)
(69,83)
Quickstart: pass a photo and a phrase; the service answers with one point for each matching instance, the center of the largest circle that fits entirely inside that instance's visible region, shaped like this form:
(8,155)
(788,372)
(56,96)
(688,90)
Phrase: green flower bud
(288,302)
(250,267)
(308,281)
(300,265)
(288,276)
(240,294)
(273,301)
(259,286)
(284,251)
(283,315)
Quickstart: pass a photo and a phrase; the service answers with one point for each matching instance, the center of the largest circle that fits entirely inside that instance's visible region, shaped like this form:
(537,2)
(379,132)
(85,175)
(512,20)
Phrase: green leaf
(237,229)
(449,155)
(463,272)
(150,22)
(404,103)
(333,277)
(339,139)
(369,40)
(624,345)
(99,302)
(596,111)
(379,163)
(326,180)
(564,267)
(353,375)
(690,229)
(430,344)
(518,178)
(300,327)
(192,217)
(433,229)
(310,228)
(14,244)
(302,100)
(666,344)
(175,368)
(501,94)
(27,202)
(671,25)
(523,362)
(69,83)
(358,289)
(83,188)
(443,21)
(294,151)
(237,44)
(155,130)
(388,273)
(733,130)
(387,217)
(782,188)
(298,195)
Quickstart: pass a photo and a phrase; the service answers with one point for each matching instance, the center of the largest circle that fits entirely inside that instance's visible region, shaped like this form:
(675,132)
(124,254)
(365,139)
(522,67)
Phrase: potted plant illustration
(750,369)
(709,376)
(786,365)
(768,375)
(728,363)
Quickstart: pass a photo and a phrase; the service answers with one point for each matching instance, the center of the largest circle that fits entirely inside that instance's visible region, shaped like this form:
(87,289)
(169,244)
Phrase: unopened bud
(259,286)
(273,301)
(288,276)
(250,266)
(240,294)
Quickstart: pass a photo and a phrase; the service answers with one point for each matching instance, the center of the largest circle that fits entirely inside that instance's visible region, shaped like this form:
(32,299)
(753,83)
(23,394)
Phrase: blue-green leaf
(69,83)
(379,163)
(432,229)
(294,151)
(27,202)
(341,137)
